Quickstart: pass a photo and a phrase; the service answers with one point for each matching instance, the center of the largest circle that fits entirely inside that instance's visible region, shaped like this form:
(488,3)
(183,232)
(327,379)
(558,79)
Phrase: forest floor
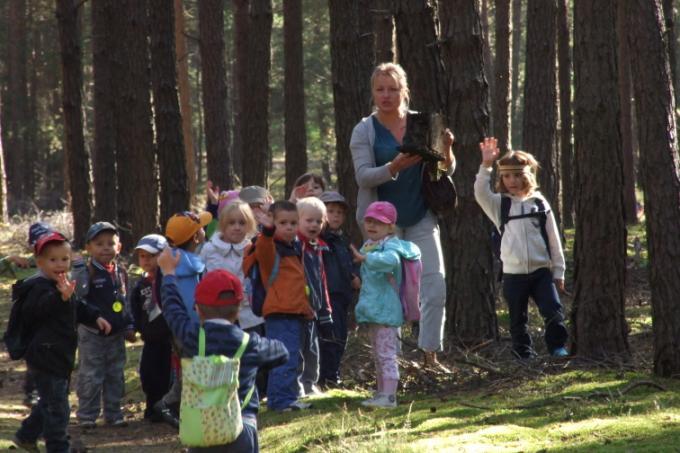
(487,402)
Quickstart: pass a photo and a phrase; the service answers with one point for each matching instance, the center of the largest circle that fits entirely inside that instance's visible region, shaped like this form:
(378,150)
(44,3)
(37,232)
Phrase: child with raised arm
(531,250)
(379,305)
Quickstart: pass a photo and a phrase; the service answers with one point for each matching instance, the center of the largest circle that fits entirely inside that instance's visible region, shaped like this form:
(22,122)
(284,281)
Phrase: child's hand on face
(168,261)
(263,217)
(212,192)
(65,287)
(358,257)
(490,151)
(103,325)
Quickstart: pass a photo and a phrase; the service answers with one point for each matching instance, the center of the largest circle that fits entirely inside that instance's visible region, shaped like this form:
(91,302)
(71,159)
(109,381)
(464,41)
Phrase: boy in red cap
(218,297)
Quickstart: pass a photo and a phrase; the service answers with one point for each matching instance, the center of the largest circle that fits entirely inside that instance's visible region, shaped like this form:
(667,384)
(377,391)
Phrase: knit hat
(215,283)
(254,194)
(152,243)
(36,230)
(182,226)
(98,228)
(47,239)
(382,211)
(333,197)
(226,197)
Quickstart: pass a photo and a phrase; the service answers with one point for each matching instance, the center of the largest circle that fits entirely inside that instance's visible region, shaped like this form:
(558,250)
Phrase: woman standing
(384,174)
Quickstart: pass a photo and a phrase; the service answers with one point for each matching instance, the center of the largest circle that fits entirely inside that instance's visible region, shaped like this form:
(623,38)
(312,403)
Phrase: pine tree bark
(32,126)
(184,87)
(502,74)
(669,21)
(77,158)
(540,96)
(213,76)
(135,157)
(351,65)
(3,179)
(256,114)
(516,96)
(626,117)
(566,150)
(471,287)
(655,107)
(383,30)
(241,20)
(175,195)
(599,325)
(104,146)
(294,93)
(489,71)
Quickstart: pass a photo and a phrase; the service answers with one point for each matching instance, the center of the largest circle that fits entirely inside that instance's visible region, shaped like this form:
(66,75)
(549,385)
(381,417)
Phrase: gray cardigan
(367,175)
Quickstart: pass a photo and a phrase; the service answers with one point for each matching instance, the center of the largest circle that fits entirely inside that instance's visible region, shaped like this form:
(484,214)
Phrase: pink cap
(383,211)
(226,197)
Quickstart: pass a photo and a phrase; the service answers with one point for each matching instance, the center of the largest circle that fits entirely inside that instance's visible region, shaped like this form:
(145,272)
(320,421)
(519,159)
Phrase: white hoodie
(522,248)
(217,254)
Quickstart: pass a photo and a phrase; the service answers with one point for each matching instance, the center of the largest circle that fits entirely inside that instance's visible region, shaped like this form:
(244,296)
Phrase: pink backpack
(409,291)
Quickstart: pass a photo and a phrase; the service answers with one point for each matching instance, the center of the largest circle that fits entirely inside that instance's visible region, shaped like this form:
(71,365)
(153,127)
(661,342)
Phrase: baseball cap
(333,197)
(183,225)
(47,239)
(254,194)
(152,243)
(383,211)
(213,284)
(98,228)
(36,230)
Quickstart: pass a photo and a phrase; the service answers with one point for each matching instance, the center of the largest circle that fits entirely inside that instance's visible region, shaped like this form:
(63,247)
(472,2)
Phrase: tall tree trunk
(256,115)
(78,161)
(599,325)
(416,32)
(488,58)
(184,87)
(540,96)
(16,97)
(213,75)
(294,93)
(3,179)
(655,107)
(626,117)
(32,126)
(104,146)
(351,65)
(503,75)
(383,29)
(566,150)
(135,159)
(175,195)
(241,21)
(669,20)
(471,289)
(516,96)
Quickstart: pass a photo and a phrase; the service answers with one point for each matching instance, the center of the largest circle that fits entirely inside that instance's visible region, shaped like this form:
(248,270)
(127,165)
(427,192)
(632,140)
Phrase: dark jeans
(49,417)
(539,285)
(155,372)
(246,442)
(262,373)
(284,380)
(333,350)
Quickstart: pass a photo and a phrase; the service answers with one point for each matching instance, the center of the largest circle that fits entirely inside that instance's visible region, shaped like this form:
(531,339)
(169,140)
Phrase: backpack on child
(258,288)
(210,411)
(18,336)
(409,290)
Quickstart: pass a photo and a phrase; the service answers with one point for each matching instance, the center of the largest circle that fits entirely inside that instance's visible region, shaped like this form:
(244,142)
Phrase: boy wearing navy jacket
(217,298)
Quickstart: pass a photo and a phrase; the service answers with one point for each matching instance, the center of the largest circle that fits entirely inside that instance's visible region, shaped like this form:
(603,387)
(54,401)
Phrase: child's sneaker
(25,444)
(118,423)
(560,352)
(381,400)
(297,406)
(87,424)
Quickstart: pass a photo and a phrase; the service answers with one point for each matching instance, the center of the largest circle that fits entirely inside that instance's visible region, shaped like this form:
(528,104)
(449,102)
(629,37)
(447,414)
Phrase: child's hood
(189,264)
(406,249)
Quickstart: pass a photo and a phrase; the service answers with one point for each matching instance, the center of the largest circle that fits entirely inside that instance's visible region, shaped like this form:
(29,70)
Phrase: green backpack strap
(239,352)
(201,342)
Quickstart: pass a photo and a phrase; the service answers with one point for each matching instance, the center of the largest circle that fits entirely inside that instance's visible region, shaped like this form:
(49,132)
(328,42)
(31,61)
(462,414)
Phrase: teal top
(404,192)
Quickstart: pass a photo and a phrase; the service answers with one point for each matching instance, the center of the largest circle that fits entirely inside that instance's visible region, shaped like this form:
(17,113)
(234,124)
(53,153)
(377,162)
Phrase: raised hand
(263,217)
(449,158)
(212,192)
(168,261)
(65,287)
(490,151)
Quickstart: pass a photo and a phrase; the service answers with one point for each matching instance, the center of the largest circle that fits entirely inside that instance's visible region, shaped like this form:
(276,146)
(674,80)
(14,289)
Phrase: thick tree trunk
(184,87)
(502,75)
(516,97)
(626,117)
(488,58)
(471,287)
(3,179)
(351,64)
(175,195)
(294,93)
(383,30)
(566,150)
(32,126)
(241,20)
(599,325)
(78,161)
(104,146)
(213,76)
(256,114)
(416,35)
(540,96)
(669,20)
(655,108)
(135,159)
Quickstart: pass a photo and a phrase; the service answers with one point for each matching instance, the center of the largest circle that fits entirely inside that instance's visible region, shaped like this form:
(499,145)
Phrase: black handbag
(438,189)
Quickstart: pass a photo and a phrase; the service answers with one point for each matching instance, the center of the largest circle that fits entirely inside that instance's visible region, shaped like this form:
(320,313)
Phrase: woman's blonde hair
(399,75)
(517,162)
(238,206)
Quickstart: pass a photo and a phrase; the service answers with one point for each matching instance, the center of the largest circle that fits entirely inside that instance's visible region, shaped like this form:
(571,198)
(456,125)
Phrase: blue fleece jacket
(188,272)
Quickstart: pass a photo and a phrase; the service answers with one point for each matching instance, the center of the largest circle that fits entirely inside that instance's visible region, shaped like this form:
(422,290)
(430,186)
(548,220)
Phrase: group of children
(282,271)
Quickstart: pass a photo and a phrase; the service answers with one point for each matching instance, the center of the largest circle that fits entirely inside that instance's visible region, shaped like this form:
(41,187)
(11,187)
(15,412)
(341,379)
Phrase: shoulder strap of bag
(242,348)
(505,212)
(201,342)
(543,220)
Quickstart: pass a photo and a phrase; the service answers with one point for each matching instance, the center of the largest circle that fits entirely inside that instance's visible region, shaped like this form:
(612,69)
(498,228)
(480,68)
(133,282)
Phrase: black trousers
(155,372)
(331,351)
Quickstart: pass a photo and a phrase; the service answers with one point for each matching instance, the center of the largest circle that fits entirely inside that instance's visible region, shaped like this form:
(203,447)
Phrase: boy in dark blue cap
(101,282)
